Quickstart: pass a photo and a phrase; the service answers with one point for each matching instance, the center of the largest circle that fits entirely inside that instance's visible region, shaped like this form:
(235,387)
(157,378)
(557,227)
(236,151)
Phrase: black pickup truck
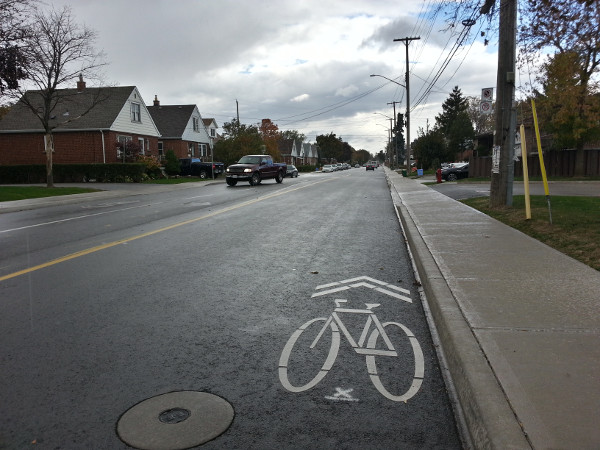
(254,169)
(195,167)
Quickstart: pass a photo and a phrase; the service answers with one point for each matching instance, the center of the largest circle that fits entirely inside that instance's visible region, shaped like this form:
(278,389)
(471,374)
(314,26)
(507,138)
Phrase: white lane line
(72,218)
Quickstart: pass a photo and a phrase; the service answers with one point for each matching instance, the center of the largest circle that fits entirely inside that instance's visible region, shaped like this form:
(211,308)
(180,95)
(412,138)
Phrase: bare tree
(13,31)
(57,52)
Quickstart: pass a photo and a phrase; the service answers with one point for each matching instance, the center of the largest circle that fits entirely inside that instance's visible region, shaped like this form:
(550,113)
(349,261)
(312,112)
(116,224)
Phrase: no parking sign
(487,95)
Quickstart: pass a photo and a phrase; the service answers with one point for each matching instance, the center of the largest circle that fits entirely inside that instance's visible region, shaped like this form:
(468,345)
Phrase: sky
(304,64)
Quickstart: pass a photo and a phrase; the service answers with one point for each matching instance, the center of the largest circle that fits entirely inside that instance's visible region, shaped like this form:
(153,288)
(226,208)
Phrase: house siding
(124,124)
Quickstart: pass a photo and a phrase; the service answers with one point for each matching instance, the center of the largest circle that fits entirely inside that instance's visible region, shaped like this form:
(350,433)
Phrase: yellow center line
(150,233)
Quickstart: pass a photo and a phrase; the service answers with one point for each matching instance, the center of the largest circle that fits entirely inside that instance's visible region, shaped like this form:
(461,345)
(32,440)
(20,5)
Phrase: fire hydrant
(438,175)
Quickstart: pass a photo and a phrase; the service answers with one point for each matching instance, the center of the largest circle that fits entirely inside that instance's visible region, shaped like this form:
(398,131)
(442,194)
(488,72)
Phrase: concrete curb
(488,416)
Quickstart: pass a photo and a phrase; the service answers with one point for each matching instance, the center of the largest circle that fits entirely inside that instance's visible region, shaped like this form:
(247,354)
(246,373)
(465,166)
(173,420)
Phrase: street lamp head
(390,80)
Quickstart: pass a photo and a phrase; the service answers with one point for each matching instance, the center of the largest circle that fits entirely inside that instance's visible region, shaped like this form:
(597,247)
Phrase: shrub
(172,164)
(153,168)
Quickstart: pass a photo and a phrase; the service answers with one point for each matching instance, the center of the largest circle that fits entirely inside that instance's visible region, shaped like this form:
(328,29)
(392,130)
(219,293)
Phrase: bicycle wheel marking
(419,365)
(331,356)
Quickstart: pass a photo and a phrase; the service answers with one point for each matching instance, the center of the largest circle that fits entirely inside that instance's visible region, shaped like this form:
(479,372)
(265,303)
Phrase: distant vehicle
(254,169)
(357,166)
(371,165)
(455,171)
(195,167)
(328,168)
(291,171)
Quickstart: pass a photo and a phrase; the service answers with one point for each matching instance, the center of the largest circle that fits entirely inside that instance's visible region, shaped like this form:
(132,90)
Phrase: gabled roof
(171,120)
(210,121)
(72,104)
(285,146)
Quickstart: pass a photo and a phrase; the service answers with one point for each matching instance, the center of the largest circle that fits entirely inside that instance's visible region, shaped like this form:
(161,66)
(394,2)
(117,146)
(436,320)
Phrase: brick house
(121,117)
(182,130)
(285,150)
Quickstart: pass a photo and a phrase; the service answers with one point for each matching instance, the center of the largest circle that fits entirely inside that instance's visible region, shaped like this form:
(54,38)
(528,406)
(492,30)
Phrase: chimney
(156,102)
(80,83)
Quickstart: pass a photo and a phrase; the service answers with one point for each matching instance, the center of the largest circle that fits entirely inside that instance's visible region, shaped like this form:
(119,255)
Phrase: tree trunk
(49,150)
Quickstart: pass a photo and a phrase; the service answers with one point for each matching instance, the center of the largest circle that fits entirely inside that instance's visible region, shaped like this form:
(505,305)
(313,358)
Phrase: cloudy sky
(304,64)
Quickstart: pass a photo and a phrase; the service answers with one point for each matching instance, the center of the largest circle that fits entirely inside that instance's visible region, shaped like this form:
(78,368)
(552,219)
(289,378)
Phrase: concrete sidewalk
(519,323)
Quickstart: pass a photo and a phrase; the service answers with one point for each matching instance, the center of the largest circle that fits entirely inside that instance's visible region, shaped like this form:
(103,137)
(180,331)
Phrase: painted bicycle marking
(367,282)
(367,345)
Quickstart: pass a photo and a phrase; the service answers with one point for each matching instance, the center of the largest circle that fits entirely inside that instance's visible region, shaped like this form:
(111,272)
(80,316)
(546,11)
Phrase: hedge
(74,173)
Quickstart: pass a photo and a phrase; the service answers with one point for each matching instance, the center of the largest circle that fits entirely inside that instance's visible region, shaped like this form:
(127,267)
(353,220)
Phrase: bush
(306,168)
(153,168)
(172,165)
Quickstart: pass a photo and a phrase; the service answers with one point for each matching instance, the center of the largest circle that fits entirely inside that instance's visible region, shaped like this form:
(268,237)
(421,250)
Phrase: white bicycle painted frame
(364,346)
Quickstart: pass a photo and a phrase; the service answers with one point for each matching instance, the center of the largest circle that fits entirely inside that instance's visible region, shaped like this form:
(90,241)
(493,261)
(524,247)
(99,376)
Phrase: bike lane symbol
(374,342)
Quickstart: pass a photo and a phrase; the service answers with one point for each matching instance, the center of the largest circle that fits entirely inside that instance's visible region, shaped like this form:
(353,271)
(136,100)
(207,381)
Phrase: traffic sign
(485,107)
(487,94)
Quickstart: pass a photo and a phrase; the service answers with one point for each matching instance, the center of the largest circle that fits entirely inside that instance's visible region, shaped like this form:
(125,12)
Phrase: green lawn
(575,228)
(11,193)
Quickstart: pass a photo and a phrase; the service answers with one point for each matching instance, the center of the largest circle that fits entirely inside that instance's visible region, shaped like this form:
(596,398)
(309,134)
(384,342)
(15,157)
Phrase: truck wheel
(203,174)
(231,182)
(279,177)
(255,180)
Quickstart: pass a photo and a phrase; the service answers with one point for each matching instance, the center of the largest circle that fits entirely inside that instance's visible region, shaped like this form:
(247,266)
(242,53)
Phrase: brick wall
(179,147)
(69,148)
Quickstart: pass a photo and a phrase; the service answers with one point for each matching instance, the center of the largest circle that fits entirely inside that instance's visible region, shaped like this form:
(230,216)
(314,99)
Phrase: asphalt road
(108,303)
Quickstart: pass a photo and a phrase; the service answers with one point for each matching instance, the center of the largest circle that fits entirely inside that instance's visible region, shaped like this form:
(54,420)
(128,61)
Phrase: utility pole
(396,131)
(406,41)
(502,160)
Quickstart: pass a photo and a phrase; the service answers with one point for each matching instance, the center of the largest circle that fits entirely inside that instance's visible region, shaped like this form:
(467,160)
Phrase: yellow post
(542,166)
(539,147)
(525,173)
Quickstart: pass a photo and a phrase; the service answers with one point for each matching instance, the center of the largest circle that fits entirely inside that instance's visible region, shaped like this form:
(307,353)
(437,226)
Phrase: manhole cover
(175,421)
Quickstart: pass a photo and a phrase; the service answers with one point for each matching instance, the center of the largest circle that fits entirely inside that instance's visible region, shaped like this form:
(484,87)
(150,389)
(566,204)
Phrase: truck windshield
(249,160)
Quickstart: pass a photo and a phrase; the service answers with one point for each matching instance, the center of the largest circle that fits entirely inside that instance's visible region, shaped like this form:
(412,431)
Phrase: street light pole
(395,128)
(394,103)
(406,41)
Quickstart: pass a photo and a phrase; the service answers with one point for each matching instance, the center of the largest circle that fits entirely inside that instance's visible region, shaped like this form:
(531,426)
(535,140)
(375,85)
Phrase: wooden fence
(558,164)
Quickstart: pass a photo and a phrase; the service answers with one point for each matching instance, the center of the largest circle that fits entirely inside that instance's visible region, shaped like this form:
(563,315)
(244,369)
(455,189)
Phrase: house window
(212,132)
(196,122)
(161,153)
(190,149)
(122,143)
(136,115)
(141,143)
(203,149)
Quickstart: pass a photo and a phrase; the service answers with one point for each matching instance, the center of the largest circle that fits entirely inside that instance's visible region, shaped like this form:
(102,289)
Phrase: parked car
(328,168)
(455,171)
(196,167)
(291,171)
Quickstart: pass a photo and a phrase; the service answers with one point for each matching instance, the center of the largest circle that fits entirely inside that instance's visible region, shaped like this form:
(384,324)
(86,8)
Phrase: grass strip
(12,193)
(575,228)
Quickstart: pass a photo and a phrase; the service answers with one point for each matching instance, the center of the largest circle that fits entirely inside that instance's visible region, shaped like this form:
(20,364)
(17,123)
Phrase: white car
(328,168)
